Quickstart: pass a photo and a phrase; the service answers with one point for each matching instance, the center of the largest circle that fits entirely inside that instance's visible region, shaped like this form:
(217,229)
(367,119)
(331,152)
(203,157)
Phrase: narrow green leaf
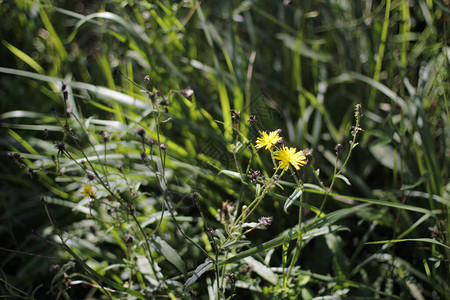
(383,89)
(322,223)
(225,104)
(24,57)
(21,114)
(231,174)
(220,235)
(100,92)
(199,271)
(290,200)
(169,253)
(53,35)
(384,154)
(291,43)
(235,244)
(425,240)
(424,178)
(99,278)
(262,270)
(345,179)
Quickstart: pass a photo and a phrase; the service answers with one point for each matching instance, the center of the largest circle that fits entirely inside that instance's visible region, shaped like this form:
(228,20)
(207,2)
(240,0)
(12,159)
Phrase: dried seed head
(55,268)
(210,233)
(30,172)
(150,141)
(225,206)
(339,150)
(195,196)
(14,156)
(265,221)
(93,229)
(163,146)
(140,132)
(435,234)
(358,110)
(309,154)
(128,239)
(61,148)
(252,120)
(46,134)
(105,135)
(147,78)
(152,97)
(246,269)
(232,278)
(235,116)
(115,73)
(164,102)
(356,130)
(187,93)
(254,174)
(144,156)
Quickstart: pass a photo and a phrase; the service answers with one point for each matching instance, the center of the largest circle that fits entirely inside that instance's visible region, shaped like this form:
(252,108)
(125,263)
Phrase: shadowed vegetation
(224,149)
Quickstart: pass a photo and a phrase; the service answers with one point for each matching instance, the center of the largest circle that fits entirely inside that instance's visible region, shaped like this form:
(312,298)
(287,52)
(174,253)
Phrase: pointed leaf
(423,178)
(290,200)
(197,273)
(262,270)
(231,174)
(425,240)
(345,179)
(169,253)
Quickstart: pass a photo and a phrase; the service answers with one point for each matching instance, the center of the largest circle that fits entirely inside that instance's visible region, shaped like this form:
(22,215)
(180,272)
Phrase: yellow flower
(268,140)
(87,191)
(288,156)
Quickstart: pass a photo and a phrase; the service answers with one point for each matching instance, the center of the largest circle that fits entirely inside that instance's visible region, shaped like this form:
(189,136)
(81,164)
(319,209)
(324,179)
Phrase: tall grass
(129,166)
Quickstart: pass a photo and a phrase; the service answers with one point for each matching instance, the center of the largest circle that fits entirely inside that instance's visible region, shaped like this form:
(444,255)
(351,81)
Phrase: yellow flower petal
(87,191)
(290,156)
(268,140)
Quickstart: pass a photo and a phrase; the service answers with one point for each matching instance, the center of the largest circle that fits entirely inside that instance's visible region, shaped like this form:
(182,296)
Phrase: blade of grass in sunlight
(24,57)
(425,240)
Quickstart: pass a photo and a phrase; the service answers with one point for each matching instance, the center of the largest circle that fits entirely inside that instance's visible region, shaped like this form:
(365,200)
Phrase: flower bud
(187,93)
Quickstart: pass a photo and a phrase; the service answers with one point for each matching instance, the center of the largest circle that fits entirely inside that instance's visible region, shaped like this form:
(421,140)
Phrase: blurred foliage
(78,68)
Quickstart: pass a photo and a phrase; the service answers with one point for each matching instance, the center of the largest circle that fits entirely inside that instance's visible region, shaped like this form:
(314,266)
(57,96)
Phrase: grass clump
(224,150)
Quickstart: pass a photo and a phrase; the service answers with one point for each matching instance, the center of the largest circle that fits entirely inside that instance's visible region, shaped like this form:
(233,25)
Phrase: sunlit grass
(138,127)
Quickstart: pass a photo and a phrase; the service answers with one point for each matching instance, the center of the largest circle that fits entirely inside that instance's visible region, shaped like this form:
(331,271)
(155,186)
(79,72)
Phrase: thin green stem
(298,246)
(336,173)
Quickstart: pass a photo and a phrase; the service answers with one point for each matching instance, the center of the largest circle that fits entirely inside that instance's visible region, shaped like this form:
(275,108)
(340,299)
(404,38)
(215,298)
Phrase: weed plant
(224,149)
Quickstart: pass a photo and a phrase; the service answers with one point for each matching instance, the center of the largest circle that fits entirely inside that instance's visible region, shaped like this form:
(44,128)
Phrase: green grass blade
(424,240)
(24,57)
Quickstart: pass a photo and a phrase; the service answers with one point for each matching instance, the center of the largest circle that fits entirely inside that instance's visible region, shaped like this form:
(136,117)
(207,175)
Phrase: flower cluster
(287,156)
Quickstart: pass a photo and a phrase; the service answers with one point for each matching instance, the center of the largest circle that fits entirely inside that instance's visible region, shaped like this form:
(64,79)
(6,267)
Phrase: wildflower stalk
(94,275)
(106,186)
(252,206)
(298,246)
(96,153)
(353,144)
(163,186)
